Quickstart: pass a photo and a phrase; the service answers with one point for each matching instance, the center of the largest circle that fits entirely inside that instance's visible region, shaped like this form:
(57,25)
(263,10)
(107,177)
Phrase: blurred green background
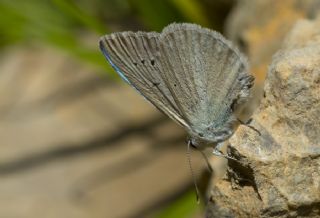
(67,25)
(74,28)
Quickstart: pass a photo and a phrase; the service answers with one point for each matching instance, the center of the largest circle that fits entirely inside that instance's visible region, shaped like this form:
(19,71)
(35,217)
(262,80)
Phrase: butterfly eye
(152,62)
(142,61)
(193,146)
(135,64)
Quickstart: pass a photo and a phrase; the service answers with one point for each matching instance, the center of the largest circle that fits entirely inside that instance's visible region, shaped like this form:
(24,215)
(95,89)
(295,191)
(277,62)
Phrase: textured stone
(259,28)
(277,173)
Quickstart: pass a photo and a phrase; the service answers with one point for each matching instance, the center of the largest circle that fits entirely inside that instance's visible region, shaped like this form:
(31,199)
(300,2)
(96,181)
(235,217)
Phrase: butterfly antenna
(192,173)
(207,161)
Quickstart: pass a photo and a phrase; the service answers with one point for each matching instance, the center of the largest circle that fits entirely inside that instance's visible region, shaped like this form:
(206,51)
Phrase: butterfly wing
(190,73)
(136,58)
(208,77)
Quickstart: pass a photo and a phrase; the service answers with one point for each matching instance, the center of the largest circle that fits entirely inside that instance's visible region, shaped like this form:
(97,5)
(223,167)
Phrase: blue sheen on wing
(117,69)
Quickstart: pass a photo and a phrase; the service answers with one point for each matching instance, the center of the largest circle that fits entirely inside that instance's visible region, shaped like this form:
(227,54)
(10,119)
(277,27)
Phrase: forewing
(207,75)
(136,58)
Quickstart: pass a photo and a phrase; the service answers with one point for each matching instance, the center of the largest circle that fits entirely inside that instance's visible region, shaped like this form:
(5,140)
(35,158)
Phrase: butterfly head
(210,138)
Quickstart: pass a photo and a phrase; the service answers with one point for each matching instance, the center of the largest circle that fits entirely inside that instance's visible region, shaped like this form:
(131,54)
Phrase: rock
(277,173)
(259,29)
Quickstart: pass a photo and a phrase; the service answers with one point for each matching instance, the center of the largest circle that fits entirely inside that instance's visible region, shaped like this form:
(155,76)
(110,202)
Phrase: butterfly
(192,74)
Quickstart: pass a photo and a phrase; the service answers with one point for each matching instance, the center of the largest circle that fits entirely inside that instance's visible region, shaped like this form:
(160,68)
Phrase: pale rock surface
(277,173)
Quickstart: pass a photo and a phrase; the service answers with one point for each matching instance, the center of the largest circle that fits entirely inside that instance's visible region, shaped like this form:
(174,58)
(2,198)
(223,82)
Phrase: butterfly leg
(203,154)
(207,161)
(247,123)
(217,151)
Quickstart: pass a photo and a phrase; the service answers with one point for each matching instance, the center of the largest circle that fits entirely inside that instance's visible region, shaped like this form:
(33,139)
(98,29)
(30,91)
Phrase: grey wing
(208,77)
(136,58)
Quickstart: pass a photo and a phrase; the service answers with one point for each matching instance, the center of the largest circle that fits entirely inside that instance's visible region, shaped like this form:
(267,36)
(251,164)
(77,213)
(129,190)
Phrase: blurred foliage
(67,24)
(184,207)
(57,23)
